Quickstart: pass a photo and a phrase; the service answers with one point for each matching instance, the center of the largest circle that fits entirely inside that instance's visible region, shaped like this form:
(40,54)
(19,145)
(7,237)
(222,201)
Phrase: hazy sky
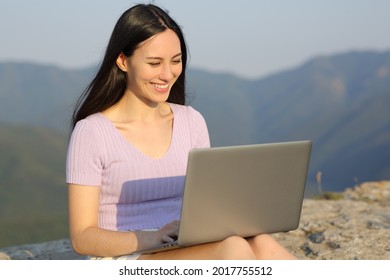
(250,38)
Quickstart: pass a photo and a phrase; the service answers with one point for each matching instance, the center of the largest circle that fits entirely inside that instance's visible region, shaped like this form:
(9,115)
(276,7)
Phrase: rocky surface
(53,250)
(351,225)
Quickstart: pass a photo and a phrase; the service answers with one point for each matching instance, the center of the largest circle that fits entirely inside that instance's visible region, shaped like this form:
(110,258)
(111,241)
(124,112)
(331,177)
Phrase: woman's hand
(169,232)
(148,239)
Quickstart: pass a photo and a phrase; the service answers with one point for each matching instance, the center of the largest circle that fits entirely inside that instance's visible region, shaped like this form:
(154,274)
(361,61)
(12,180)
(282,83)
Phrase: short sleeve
(199,132)
(84,157)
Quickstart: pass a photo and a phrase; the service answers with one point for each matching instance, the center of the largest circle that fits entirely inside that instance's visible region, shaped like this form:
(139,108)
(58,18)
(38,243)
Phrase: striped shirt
(137,191)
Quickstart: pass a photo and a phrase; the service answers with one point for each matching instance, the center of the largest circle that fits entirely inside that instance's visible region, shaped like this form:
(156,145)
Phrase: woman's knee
(236,247)
(264,239)
(265,246)
(264,242)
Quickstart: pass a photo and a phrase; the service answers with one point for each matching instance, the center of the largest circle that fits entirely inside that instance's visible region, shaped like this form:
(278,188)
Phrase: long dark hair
(134,26)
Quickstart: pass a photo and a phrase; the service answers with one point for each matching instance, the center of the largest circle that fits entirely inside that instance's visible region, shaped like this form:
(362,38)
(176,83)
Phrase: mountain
(40,95)
(340,102)
(33,194)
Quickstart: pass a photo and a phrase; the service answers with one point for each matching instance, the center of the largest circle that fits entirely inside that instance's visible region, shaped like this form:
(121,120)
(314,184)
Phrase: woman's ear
(122,62)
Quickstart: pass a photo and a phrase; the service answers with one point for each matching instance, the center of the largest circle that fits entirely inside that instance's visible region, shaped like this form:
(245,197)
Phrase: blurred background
(259,71)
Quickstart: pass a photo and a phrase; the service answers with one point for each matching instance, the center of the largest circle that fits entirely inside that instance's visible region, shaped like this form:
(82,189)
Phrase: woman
(128,150)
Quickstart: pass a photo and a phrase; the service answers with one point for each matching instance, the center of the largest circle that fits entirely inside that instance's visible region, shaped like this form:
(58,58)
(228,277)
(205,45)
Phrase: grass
(329,196)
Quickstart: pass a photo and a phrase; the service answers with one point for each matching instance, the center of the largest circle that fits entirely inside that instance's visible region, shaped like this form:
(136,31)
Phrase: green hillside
(41,95)
(33,195)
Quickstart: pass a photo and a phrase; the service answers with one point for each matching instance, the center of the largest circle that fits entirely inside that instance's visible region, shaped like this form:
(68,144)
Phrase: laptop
(242,190)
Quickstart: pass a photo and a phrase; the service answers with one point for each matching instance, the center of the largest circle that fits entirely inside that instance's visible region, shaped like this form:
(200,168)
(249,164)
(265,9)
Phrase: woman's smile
(160,87)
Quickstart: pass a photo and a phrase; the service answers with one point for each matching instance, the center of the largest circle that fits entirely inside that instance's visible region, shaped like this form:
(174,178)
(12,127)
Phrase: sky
(247,38)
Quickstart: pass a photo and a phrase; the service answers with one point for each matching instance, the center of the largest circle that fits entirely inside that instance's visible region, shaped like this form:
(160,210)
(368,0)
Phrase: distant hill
(40,95)
(341,102)
(33,194)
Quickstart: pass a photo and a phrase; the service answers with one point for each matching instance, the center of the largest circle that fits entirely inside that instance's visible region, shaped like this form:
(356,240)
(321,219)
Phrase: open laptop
(241,190)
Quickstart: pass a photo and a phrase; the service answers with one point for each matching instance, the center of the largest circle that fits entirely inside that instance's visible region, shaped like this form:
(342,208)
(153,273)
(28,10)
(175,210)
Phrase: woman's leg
(266,248)
(234,248)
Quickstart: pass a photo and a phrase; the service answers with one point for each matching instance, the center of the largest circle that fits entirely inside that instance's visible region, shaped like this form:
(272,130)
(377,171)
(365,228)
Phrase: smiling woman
(128,152)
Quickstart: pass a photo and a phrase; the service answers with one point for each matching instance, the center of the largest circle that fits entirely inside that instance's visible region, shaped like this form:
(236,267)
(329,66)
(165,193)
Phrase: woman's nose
(166,73)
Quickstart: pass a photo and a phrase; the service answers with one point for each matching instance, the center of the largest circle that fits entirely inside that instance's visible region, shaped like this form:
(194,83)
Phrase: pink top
(137,191)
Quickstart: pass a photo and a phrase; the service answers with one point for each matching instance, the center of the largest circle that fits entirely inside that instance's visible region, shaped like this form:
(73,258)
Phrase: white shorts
(124,257)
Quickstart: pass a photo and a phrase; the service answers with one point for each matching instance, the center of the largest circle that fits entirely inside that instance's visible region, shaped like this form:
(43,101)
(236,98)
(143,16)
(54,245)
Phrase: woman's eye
(176,61)
(154,64)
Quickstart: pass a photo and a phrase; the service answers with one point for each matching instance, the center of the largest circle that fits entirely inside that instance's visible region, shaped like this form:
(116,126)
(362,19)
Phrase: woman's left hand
(170,231)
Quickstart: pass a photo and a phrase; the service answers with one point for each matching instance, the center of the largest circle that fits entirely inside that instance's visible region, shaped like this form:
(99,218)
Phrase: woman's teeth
(160,86)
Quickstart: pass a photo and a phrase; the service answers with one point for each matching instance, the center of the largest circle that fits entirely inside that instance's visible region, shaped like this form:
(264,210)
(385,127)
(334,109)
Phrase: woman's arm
(88,239)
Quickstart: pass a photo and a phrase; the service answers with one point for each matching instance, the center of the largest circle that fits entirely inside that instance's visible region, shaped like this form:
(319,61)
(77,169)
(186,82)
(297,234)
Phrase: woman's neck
(130,109)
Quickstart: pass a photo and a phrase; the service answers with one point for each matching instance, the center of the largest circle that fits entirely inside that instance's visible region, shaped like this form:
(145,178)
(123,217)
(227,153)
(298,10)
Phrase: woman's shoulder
(92,123)
(92,120)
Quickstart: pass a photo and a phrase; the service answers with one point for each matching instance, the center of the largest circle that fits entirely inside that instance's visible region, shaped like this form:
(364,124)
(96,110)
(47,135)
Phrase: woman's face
(153,68)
